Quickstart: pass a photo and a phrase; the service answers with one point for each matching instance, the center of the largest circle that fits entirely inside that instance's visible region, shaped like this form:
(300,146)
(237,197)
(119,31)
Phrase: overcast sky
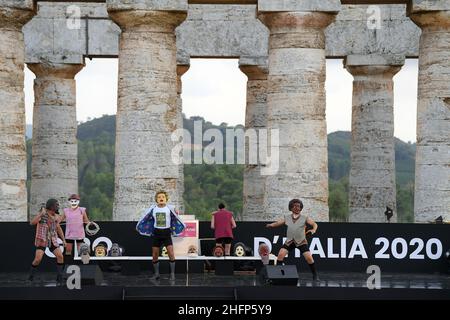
(215,89)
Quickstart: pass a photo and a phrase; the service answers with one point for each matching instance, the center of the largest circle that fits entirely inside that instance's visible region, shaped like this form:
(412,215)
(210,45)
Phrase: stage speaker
(280,275)
(90,274)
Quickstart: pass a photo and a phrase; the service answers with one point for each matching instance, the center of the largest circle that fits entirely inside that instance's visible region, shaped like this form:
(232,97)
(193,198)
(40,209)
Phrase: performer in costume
(223,223)
(161,221)
(296,235)
(47,231)
(75,218)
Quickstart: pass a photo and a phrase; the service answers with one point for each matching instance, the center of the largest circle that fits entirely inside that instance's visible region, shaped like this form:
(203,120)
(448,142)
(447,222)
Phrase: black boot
(59,270)
(33,270)
(312,266)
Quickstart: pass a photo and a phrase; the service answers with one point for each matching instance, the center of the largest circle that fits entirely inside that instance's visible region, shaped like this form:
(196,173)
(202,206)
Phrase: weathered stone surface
(181,70)
(154,5)
(419,6)
(374,60)
(13,163)
(103,38)
(432,184)
(58,36)
(18,4)
(67,9)
(222,31)
(15,13)
(299,5)
(372,185)
(148,111)
(54,166)
(353,34)
(214,31)
(254,194)
(296,105)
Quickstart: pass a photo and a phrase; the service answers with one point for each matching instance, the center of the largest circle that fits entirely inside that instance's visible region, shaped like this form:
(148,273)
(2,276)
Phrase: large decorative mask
(192,250)
(263,251)
(84,253)
(161,198)
(239,250)
(218,251)
(115,250)
(100,251)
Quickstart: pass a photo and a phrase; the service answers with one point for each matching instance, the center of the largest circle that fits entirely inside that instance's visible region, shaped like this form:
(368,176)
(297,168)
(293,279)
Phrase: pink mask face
(74,203)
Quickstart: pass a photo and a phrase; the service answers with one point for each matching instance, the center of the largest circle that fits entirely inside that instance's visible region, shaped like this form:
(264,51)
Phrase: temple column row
(13,157)
(432,182)
(372,187)
(54,165)
(288,96)
(148,109)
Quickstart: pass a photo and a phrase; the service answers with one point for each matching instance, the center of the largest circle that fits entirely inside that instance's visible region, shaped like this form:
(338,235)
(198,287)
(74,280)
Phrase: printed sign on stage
(339,247)
(188,240)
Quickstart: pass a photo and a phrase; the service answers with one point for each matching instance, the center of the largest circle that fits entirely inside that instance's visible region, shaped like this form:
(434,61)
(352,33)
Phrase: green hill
(206,185)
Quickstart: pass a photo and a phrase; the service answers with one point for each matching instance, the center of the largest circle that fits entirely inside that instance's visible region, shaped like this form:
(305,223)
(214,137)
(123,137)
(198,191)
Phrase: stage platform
(207,286)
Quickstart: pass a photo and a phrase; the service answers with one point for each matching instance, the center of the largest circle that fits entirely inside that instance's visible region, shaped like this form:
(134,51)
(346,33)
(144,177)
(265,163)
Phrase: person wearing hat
(48,228)
(296,235)
(75,218)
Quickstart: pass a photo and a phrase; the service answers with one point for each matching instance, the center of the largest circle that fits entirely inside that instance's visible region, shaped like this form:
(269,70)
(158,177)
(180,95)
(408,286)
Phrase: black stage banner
(339,247)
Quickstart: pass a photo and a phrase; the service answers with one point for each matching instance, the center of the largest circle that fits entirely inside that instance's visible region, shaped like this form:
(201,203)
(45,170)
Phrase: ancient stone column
(148,110)
(372,173)
(181,69)
(54,165)
(13,158)
(296,106)
(432,184)
(255,119)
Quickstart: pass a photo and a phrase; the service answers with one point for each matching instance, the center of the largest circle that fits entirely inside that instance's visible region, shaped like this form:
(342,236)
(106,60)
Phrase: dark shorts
(225,240)
(291,246)
(52,248)
(73,241)
(162,237)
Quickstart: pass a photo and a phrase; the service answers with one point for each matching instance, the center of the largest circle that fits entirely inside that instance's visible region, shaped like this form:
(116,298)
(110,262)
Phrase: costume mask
(84,253)
(74,203)
(239,251)
(100,251)
(218,251)
(161,199)
(263,251)
(192,251)
(115,250)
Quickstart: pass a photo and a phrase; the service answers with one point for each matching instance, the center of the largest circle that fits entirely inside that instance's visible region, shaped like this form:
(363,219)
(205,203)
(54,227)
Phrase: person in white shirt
(161,222)
(162,234)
